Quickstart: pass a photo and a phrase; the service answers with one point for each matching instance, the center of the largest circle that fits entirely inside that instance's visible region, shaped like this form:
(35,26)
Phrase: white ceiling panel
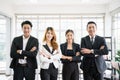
(57,2)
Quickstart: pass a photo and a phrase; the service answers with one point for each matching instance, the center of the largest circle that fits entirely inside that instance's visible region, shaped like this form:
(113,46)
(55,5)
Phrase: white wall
(6,8)
(114,5)
(112,8)
(108,22)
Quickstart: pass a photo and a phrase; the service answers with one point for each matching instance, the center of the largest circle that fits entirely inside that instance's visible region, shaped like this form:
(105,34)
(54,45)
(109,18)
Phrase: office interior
(61,15)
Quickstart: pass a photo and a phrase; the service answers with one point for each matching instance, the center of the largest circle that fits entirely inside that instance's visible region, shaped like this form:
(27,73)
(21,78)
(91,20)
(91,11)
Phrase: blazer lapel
(95,41)
(74,47)
(21,42)
(28,43)
(65,47)
(88,41)
(47,48)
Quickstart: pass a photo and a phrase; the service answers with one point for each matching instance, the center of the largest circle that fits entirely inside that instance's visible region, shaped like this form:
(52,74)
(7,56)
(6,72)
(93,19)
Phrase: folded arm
(13,51)
(103,50)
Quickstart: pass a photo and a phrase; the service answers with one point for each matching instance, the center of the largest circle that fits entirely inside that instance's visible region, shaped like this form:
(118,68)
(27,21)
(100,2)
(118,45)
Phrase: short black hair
(91,22)
(26,22)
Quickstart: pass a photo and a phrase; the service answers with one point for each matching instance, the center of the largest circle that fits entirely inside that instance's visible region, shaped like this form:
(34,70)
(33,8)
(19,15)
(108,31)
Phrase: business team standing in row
(24,50)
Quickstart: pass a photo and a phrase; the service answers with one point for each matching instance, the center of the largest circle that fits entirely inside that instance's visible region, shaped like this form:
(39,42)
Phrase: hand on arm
(102,47)
(33,49)
(77,53)
(86,51)
(89,51)
(67,57)
(19,51)
(44,54)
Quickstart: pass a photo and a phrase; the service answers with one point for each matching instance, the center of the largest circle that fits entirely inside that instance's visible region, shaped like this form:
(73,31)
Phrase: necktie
(92,40)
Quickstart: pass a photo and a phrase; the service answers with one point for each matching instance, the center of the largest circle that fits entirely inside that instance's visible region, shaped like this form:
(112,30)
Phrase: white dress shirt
(23,61)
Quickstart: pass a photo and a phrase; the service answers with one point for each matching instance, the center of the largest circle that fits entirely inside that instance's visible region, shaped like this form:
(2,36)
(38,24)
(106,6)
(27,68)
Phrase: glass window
(116,30)
(61,23)
(4,24)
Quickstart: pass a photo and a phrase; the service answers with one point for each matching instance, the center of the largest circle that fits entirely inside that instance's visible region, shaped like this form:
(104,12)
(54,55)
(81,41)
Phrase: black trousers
(92,74)
(70,71)
(24,72)
(49,74)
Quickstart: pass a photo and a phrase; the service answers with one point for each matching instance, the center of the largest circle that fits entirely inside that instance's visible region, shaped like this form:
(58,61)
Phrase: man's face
(26,30)
(91,28)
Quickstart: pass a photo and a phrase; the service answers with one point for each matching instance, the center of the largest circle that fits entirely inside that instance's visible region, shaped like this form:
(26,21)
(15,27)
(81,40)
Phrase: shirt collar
(25,38)
(91,36)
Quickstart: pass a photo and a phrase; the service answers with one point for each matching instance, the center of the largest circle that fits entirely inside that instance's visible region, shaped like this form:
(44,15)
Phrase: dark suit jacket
(99,60)
(76,48)
(17,44)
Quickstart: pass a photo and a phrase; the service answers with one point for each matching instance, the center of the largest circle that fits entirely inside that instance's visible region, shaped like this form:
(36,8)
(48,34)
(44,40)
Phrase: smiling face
(26,30)
(91,28)
(49,35)
(69,37)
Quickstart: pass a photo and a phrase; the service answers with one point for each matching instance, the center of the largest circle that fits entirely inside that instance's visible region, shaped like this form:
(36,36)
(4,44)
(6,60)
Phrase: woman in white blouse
(50,55)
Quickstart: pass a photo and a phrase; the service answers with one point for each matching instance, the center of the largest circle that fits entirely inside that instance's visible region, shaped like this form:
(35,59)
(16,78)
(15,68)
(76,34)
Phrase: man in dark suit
(23,53)
(93,47)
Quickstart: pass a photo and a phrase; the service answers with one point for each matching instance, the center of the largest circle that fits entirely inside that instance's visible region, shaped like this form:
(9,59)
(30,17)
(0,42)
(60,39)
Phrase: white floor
(3,77)
(11,78)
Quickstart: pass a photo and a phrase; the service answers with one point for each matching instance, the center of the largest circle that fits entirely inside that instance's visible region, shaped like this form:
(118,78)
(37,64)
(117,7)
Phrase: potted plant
(117,59)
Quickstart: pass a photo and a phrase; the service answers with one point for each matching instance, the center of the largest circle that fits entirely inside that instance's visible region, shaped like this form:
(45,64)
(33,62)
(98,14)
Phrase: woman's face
(70,36)
(49,35)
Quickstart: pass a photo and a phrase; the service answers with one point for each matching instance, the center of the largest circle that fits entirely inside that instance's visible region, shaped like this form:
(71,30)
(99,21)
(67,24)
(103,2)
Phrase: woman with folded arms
(50,56)
(71,51)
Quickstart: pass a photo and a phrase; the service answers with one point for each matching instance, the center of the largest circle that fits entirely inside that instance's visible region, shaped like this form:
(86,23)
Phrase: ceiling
(57,2)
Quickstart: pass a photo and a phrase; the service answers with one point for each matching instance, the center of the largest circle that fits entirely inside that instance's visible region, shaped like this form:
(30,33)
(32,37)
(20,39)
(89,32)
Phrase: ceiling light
(85,1)
(33,1)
